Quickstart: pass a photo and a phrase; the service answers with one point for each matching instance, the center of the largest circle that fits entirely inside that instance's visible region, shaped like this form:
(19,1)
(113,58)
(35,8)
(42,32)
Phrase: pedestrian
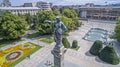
(28,56)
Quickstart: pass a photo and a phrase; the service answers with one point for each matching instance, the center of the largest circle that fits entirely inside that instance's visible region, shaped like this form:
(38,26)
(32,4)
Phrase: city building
(5,3)
(89,5)
(21,10)
(29,4)
(31,8)
(39,4)
(100,13)
(44,5)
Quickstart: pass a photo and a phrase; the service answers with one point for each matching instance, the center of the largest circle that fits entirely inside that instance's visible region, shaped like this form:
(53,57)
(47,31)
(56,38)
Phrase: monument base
(59,56)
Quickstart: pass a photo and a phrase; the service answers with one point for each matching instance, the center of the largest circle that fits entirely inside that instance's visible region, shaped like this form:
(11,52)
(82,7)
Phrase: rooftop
(17,8)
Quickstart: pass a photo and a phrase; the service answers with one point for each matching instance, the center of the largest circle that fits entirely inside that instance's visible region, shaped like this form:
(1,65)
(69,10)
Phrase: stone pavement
(36,58)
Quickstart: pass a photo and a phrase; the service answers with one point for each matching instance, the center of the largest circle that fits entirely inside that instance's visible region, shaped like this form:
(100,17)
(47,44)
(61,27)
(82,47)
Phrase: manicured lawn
(33,35)
(47,40)
(26,51)
(77,48)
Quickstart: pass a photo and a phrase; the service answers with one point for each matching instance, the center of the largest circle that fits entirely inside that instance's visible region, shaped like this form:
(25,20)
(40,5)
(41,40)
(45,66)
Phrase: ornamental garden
(13,55)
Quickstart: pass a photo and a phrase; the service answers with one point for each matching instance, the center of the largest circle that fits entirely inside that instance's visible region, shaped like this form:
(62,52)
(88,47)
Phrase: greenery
(23,57)
(65,42)
(55,11)
(109,55)
(74,44)
(77,48)
(68,12)
(33,35)
(117,29)
(48,40)
(12,26)
(96,47)
(73,15)
(4,42)
(43,27)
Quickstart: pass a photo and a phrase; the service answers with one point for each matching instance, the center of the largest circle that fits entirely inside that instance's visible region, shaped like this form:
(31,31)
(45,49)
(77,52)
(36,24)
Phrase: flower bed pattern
(14,55)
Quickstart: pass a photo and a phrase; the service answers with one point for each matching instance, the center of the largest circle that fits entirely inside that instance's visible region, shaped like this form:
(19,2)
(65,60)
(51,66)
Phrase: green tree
(66,21)
(109,55)
(44,27)
(29,18)
(75,44)
(96,47)
(65,42)
(72,14)
(55,11)
(12,26)
(118,20)
(117,30)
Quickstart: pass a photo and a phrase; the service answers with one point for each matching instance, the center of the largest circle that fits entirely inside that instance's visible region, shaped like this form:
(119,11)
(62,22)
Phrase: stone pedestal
(58,56)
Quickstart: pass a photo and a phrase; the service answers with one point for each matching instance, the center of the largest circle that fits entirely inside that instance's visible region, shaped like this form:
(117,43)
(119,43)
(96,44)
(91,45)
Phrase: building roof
(17,8)
(101,7)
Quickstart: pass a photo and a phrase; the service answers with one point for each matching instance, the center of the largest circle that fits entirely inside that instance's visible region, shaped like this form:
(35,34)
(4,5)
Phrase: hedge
(109,55)
(96,47)
(65,42)
(74,44)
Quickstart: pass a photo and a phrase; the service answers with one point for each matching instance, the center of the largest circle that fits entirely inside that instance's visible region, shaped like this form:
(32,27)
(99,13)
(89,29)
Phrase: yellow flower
(2,60)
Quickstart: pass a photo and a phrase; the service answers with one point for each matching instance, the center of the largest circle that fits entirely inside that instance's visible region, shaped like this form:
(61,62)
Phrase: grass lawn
(33,35)
(27,50)
(77,48)
(47,40)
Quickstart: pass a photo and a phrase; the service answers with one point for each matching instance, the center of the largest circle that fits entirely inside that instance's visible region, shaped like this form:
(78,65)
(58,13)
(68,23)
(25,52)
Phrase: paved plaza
(80,58)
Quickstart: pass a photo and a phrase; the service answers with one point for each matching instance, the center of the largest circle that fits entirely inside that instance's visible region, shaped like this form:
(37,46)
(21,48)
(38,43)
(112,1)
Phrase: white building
(29,4)
(6,3)
(21,10)
(31,8)
(43,5)
(39,4)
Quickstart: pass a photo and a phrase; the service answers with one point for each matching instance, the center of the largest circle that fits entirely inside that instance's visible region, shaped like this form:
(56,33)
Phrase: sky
(65,2)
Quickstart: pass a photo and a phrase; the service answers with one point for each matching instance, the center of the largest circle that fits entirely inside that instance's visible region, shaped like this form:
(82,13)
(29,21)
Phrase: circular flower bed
(14,55)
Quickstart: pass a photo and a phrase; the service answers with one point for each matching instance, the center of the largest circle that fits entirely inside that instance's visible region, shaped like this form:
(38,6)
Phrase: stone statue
(59,29)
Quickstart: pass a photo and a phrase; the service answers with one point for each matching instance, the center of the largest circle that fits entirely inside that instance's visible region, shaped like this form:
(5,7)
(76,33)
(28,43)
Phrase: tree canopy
(55,11)
(70,13)
(43,27)
(96,47)
(109,55)
(117,29)
(12,26)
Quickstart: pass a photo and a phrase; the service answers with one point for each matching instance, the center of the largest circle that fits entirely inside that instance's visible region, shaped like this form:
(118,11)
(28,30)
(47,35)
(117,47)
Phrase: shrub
(96,47)
(75,44)
(65,42)
(109,55)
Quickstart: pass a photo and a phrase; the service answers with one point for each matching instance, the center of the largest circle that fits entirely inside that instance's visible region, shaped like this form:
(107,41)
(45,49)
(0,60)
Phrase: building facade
(21,10)
(31,8)
(43,5)
(5,3)
(100,13)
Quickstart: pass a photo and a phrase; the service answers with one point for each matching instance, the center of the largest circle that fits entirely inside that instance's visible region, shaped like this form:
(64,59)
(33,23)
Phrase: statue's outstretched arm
(49,21)
(64,27)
